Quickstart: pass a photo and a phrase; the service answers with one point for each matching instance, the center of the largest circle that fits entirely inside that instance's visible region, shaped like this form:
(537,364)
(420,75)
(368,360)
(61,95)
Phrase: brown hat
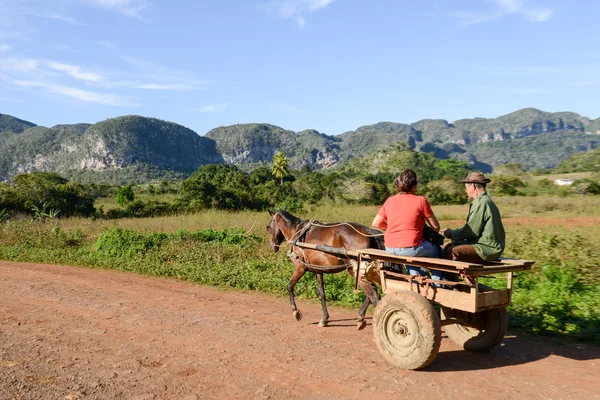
(476,177)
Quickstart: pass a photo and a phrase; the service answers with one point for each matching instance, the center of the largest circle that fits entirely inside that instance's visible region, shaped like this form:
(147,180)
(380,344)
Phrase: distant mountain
(13,125)
(582,162)
(110,144)
(258,143)
(530,137)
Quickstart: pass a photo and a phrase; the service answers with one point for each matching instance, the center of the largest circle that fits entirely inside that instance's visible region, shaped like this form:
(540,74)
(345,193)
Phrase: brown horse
(285,226)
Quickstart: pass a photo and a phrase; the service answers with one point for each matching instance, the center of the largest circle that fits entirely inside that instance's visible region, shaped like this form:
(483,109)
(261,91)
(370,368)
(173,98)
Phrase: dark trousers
(462,252)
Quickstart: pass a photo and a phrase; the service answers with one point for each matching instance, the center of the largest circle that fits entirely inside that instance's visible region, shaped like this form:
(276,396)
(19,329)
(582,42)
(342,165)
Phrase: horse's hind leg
(299,272)
(372,298)
(361,323)
(321,292)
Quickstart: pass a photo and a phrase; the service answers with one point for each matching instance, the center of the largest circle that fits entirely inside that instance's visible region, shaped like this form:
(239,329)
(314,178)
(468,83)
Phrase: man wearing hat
(482,237)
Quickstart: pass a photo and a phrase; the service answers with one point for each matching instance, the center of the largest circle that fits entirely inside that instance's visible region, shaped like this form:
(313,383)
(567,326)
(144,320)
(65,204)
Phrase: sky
(329,65)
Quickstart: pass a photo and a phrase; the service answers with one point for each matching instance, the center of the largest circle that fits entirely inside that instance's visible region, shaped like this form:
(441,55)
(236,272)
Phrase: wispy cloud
(61,18)
(503,8)
(19,64)
(131,8)
(213,108)
(101,87)
(4,47)
(295,9)
(75,71)
(79,94)
(66,47)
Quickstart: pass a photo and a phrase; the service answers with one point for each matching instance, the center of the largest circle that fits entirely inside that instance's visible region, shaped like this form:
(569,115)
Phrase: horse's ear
(270,212)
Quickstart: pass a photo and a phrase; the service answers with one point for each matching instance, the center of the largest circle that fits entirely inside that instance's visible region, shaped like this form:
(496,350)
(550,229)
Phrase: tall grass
(559,296)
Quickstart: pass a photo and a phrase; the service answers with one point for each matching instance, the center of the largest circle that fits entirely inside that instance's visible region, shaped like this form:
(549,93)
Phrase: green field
(560,296)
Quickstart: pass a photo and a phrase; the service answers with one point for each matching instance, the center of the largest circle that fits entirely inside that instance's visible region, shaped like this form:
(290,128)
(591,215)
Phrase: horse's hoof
(361,324)
(298,315)
(323,324)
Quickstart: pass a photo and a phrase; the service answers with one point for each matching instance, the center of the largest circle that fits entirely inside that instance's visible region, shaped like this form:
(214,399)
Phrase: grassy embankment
(560,296)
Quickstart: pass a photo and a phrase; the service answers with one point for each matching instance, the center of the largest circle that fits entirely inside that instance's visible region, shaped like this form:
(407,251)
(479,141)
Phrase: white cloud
(19,64)
(132,8)
(75,71)
(61,18)
(4,47)
(83,95)
(213,108)
(66,47)
(503,8)
(295,8)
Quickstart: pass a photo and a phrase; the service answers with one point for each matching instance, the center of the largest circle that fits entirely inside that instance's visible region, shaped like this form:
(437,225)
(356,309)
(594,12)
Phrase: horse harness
(297,253)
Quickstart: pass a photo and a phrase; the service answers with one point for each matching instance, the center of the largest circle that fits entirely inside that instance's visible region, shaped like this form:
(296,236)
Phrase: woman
(403,217)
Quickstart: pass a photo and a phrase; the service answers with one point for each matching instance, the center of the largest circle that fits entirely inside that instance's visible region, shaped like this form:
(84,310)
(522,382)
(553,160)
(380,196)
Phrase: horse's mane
(289,217)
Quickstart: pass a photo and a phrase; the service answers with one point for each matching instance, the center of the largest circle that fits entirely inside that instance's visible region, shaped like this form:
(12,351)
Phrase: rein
(300,233)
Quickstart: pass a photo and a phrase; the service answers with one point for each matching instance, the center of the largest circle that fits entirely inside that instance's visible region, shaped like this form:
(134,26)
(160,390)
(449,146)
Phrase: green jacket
(483,229)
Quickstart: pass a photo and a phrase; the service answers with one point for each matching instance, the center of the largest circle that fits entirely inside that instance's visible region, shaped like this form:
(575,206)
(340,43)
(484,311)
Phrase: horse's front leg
(299,271)
(321,291)
(372,296)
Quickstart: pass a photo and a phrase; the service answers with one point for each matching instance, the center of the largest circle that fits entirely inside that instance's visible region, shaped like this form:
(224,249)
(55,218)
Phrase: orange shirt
(405,215)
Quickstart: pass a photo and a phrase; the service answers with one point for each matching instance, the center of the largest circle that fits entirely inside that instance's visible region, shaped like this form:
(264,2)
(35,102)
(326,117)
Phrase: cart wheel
(407,330)
(478,331)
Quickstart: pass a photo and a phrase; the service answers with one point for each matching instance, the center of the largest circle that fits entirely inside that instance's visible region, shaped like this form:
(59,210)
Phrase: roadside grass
(560,296)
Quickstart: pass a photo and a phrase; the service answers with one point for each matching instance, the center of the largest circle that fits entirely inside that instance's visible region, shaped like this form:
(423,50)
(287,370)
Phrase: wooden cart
(407,326)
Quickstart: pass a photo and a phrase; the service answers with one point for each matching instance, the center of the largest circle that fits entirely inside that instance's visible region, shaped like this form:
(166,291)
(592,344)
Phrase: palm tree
(280,166)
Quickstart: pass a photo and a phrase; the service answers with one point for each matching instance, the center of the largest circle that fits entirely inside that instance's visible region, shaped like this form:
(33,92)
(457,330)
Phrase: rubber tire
(418,345)
(488,332)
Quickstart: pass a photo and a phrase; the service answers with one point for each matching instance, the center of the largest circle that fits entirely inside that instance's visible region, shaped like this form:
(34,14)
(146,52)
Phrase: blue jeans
(424,249)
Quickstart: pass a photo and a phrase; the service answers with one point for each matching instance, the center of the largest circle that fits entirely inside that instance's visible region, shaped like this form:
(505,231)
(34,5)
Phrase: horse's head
(275,231)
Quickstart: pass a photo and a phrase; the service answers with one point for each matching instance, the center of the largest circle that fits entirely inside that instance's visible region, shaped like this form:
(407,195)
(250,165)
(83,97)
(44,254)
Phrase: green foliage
(506,185)
(4,215)
(584,162)
(586,186)
(136,173)
(556,302)
(125,195)
(218,186)
(122,243)
(44,191)
(570,250)
(44,212)
(444,192)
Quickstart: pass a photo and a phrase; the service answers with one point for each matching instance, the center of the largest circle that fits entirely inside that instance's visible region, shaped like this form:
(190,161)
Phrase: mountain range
(530,137)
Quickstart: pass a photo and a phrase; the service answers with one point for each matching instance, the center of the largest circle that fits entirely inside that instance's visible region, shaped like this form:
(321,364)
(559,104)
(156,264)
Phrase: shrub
(125,195)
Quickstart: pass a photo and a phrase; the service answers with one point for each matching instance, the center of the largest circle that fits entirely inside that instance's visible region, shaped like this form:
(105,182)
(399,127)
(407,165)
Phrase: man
(482,237)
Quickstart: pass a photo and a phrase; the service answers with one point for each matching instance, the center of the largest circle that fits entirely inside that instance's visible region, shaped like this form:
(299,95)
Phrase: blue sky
(329,65)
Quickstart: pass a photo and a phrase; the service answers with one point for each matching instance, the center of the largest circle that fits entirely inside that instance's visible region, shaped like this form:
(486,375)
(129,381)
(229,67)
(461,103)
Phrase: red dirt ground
(71,333)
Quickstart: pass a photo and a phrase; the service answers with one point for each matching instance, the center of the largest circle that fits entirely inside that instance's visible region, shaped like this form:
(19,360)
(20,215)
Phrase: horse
(285,226)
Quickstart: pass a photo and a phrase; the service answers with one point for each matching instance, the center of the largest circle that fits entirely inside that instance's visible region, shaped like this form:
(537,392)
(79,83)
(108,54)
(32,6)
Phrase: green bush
(444,192)
(41,192)
(125,195)
(556,302)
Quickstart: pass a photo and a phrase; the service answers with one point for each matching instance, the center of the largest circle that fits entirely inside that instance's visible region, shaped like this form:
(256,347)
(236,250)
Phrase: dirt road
(70,333)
